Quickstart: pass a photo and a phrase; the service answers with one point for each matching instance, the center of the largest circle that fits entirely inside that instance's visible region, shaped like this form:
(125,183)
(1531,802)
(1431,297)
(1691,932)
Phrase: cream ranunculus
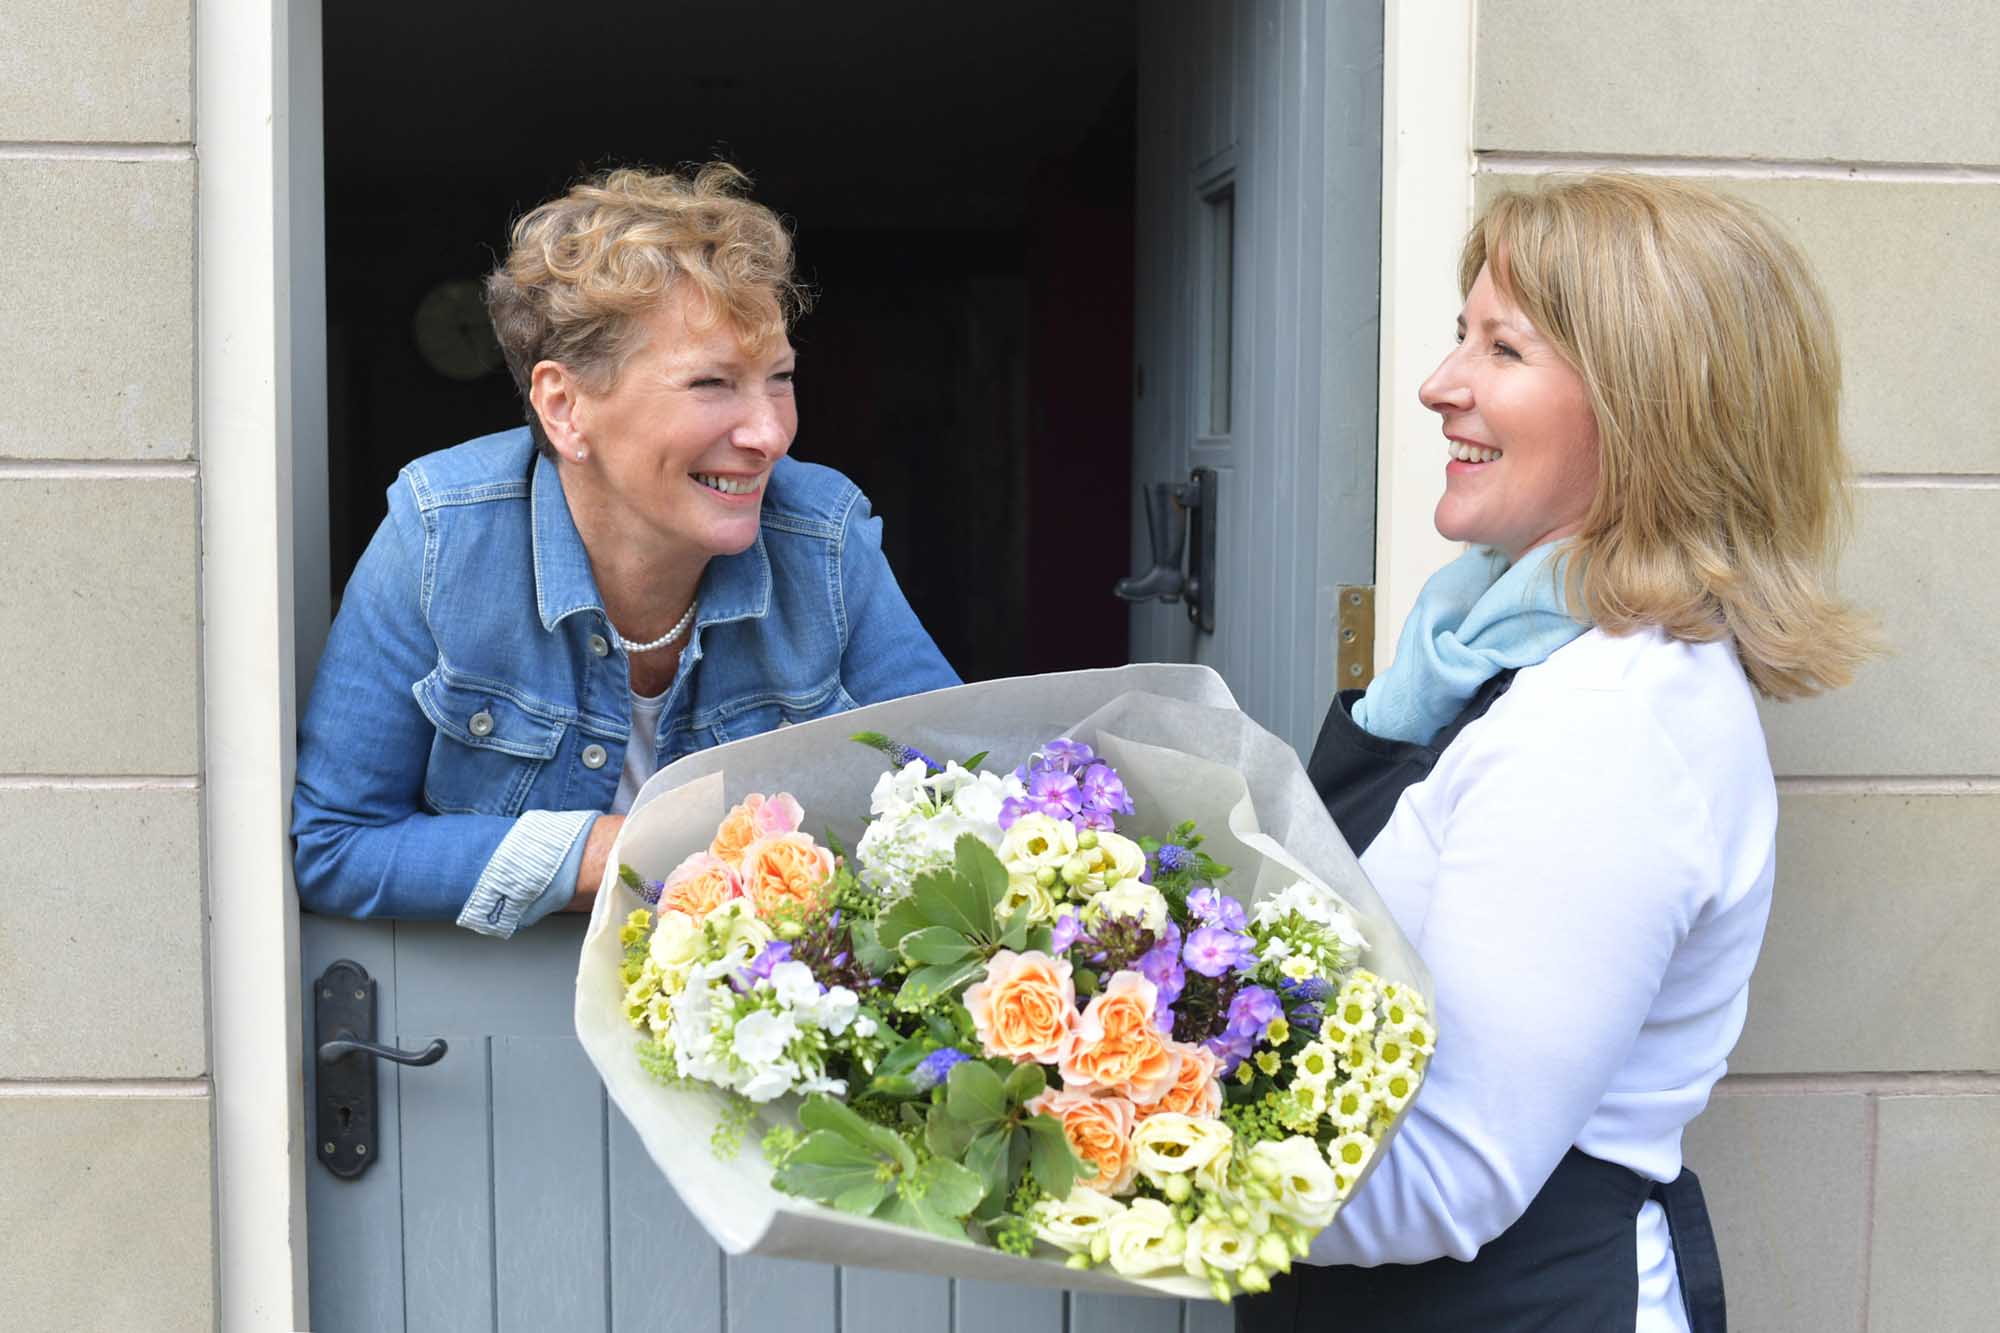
(1171,1144)
(1072,1224)
(1146,1238)
(1133,900)
(1217,1245)
(1303,1185)
(737,929)
(676,944)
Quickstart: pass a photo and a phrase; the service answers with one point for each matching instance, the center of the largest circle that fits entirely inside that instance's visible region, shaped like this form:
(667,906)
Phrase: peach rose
(1195,1091)
(1100,1129)
(787,868)
(699,885)
(1025,1008)
(1114,1047)
(758,816)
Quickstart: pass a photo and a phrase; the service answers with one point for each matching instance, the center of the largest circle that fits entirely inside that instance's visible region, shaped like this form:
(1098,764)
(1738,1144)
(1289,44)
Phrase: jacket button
(593,756)
(480,724)
(599,646)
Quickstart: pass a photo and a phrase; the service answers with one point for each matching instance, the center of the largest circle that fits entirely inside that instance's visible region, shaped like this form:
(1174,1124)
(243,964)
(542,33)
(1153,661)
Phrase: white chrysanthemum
(1301,1180)
(1393,1054)
(1072,1224)
(1351,1014)
(1348,1155)
(1298,967)
(1351,1106)
(1394,1087)
(1316,1063)
(1145,1238)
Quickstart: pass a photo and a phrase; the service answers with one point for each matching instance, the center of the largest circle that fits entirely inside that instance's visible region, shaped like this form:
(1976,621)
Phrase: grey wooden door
(1260,141)
(508,1194)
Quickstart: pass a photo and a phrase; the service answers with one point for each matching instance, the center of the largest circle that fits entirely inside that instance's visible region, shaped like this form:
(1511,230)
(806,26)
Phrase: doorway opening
(960,180)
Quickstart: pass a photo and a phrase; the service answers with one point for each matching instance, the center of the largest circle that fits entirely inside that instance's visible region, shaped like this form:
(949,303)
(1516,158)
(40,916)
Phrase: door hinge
(1354,626)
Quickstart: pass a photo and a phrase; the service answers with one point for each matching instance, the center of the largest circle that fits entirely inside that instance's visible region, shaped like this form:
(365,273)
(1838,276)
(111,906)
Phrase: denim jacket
(471,712)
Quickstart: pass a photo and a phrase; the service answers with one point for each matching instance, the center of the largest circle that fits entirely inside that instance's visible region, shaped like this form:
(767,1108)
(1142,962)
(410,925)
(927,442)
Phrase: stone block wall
(1847,1154)
(105,1108)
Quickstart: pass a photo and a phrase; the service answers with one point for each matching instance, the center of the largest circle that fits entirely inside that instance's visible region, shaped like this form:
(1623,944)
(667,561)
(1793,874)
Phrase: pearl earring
(582,454)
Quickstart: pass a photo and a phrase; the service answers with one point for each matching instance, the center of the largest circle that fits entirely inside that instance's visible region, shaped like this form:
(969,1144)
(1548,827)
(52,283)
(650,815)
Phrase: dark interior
(960,180)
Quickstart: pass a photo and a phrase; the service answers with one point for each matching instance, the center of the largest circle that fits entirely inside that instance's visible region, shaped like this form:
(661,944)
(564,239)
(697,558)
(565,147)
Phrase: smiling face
(678,449)
(1521,439)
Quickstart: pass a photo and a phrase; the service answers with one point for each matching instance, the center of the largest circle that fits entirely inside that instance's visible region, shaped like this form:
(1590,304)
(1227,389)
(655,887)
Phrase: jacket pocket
(755,714)
(491,742)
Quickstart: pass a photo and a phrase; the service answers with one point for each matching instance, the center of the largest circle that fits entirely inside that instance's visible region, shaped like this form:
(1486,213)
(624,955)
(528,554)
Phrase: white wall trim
(172,1089)
(1745,168)
(244,349)
(1427,168)
(100,152)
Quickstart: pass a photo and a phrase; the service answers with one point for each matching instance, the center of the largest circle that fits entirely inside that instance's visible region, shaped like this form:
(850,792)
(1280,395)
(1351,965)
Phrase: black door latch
(346,1051)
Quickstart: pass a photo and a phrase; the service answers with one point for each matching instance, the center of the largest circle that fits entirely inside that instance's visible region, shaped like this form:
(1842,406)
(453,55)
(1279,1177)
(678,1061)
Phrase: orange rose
(789,868)
(699,885)
(1025,1008)
(1100,1129)
(758,816)
(1195,1091)
(1115,1048)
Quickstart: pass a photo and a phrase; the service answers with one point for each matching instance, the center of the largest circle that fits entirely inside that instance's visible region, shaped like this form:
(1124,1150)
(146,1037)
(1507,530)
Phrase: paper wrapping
(1184,750)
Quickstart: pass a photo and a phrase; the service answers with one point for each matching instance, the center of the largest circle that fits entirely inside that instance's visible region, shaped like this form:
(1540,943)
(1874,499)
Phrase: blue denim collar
(733,587)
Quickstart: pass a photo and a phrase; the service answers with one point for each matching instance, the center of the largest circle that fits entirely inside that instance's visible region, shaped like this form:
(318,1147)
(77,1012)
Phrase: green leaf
(823,1113)
(1015,935)
(987,1157)
(928,983)
(945,1135)
(978,866)
(826,1166)
(976,760)
(944,899)
(974,1094)
(868,950)
(917,1212)
(905,916)
(935,944)
(862,1199)
(1042,940)
(1026,1083)
(948,1188)
(1055,1164)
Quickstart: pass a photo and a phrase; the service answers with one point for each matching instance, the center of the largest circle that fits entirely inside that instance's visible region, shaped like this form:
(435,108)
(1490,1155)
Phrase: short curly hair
(583,269)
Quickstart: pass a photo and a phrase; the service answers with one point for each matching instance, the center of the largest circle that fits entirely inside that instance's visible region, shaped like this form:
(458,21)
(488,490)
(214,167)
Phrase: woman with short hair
(549,615)
(1561,787)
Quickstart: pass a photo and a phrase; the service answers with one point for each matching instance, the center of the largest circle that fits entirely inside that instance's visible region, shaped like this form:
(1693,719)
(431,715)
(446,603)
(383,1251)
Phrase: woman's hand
(596,851)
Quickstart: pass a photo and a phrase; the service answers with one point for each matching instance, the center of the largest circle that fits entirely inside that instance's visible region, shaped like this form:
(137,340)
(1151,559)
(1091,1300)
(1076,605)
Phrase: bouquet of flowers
(1026,1010)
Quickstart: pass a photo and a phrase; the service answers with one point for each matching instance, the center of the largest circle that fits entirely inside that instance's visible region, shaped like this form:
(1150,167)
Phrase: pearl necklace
(680,628)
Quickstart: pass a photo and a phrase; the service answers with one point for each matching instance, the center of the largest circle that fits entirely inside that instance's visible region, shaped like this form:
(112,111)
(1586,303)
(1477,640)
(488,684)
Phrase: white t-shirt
(641,761)
(1587,872)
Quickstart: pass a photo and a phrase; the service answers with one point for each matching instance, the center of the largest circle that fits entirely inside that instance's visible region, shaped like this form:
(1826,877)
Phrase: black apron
(1570,1264)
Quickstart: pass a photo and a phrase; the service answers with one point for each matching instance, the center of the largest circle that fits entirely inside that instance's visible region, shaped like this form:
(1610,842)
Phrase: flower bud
(1272,1252)
(1263,1167)
(1220,1286)
(788,930)
(1100,1246)
(1046,877)
(1087,839)
(1077,1261)
(1253,1280)
(1075,870)
(1177,1188)
(1239,1215)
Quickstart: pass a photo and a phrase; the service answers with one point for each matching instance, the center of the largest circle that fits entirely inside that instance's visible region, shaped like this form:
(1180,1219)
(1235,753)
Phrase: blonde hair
(583,269)
(1714,378)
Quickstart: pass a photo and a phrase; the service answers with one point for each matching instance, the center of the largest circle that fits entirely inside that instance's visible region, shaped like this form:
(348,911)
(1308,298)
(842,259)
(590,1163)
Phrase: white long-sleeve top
(1587,873)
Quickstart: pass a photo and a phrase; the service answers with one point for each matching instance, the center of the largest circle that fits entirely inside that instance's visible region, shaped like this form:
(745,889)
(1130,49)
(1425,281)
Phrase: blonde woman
(1561,786)
(550,614)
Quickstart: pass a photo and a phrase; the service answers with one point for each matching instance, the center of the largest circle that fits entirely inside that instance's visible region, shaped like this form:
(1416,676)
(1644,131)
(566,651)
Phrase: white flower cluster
(919,818)
(764,1042)
(1305,931)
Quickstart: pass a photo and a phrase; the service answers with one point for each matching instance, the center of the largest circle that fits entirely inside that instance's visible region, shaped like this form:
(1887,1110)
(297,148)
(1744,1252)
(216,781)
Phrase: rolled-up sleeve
(366,846)
(885,651)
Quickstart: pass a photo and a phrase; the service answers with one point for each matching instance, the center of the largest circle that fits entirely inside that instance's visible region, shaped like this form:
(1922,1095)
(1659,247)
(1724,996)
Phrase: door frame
(261,374)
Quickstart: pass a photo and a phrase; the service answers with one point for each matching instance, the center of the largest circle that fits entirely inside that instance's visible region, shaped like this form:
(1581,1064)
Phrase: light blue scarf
(1475,618)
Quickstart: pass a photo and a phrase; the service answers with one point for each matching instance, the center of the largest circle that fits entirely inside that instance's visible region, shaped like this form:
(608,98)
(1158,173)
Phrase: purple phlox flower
(1013,808)
(1094,819)
(774,953)
(1068,755)
(1161,965)
(1213,951)
(933,1068)
(1216,908)
(1230,1049)
(1252,1011)
(1104,791)
(1067,928)
(650,891)
(1173,858)
(1053,793)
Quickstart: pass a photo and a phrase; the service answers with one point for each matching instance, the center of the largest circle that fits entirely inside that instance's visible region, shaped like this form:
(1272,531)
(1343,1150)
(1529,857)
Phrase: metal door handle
(1171,511)
(348,1045)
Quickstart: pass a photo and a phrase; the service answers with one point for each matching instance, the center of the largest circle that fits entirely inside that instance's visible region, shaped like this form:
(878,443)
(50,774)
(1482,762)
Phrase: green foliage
(630,878)
(945,928)
(860,1167)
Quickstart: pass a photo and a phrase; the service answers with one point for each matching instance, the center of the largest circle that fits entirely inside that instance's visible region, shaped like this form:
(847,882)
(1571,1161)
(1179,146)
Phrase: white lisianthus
(1146,1238)
(676,943)
(1072,1224)
(1216,1245)
(1037,842)
(739,935)
(1116,857)
(1026,893)
(1133,900)
(1301,1180)
(1171,1144)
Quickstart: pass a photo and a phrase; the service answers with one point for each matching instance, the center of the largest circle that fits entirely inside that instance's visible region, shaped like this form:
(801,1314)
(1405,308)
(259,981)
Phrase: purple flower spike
(1067,928)
(650,890)
(1313,990)
(933,1068)
(1216,908)
(1173,858)
(1213,951)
